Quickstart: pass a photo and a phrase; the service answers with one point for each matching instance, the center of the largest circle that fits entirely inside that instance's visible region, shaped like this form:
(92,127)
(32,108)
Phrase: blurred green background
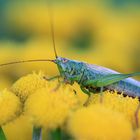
(105,32)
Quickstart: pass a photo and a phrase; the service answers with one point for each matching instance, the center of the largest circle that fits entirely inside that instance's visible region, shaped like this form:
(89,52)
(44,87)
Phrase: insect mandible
(91,78)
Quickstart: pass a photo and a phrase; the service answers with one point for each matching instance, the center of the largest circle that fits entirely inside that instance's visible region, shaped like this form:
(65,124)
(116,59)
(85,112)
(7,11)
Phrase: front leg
(52,78)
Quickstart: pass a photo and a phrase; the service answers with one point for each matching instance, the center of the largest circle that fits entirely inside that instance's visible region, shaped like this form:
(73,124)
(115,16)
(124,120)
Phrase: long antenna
(26,61)
(51,15)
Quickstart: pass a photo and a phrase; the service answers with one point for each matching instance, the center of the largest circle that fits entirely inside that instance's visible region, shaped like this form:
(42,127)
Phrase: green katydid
(89,77)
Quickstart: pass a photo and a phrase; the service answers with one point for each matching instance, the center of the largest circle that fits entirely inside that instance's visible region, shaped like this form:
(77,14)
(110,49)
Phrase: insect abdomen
(128,86)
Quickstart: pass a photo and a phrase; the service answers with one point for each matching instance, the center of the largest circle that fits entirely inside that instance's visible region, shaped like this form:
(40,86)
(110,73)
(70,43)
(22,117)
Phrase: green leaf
(2,135)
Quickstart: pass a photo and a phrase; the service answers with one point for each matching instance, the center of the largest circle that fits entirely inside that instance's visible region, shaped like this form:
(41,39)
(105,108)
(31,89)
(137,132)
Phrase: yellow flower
(19,129)
(137,134)
(99,123)
(49,107)
(28,84)
(10,106)
(117,102)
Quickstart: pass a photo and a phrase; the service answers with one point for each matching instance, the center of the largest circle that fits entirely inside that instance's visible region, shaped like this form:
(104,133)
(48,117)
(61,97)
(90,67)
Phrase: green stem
(37,135)
(55,134)
(59,134)
(2,135)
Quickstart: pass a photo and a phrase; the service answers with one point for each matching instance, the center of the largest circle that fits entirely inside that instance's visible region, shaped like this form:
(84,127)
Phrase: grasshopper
(91,78)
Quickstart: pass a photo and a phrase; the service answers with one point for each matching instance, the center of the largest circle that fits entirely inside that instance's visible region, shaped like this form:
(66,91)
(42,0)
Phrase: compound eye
(64,60)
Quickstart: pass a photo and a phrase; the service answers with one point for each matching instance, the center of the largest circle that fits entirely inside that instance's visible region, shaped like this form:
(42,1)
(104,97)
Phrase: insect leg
(75,78)
(52,78)
(58,85)
(93,90)
(93,83)
(101,94)
(72,78)
(89,82)
(85,90)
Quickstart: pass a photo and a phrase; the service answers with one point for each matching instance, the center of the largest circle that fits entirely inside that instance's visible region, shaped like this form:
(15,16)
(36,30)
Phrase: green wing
(113,78)
(109,79)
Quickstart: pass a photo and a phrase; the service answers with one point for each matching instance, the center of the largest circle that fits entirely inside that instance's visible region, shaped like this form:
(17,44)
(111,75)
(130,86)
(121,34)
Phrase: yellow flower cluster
(97,122)
(28,85)
(49,108)
(10,106)
(117,102)
(50,105)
